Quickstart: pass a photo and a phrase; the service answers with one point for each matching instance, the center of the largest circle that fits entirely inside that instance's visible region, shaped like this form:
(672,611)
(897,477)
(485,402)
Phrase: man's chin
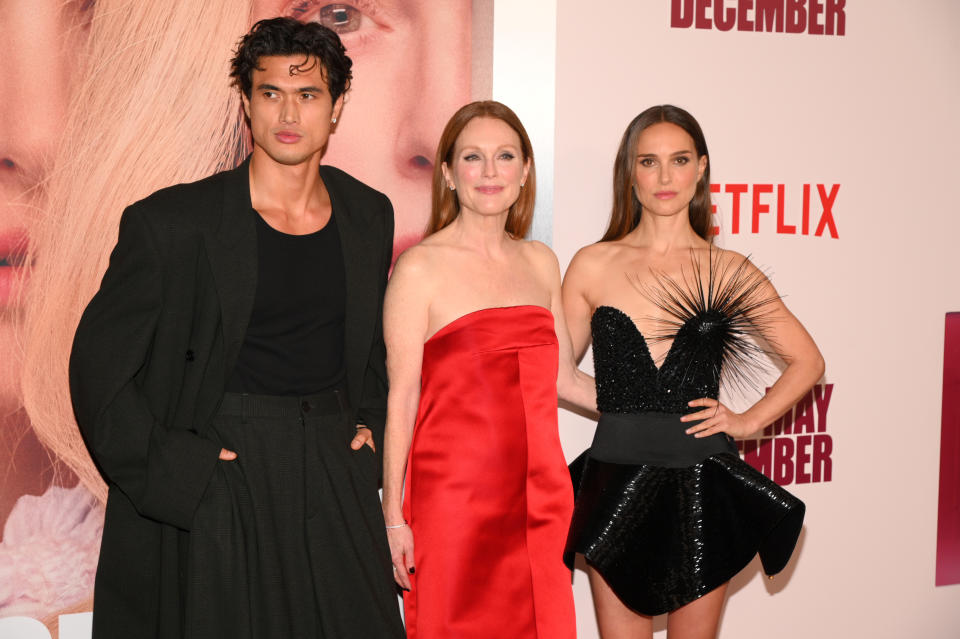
(292,157)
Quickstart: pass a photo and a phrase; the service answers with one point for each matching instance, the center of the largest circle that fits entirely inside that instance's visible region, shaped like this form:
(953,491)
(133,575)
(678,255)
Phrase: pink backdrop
(832,126)
(832,162)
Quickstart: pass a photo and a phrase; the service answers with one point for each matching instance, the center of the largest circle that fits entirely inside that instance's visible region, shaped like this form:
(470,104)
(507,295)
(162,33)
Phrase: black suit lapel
(233,258)
(360,253)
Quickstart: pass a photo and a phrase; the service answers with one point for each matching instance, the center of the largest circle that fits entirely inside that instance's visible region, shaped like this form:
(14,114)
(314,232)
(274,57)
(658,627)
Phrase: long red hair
(445,205)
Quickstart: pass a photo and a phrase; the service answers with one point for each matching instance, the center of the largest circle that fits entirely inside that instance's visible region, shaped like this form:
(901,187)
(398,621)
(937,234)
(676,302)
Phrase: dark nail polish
(412,570)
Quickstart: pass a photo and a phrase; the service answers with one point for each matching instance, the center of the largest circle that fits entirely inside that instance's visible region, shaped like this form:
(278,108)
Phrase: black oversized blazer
(150,361)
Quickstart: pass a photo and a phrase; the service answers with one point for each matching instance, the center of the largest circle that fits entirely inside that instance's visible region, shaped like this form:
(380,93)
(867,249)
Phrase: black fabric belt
(654,438)
(328,402)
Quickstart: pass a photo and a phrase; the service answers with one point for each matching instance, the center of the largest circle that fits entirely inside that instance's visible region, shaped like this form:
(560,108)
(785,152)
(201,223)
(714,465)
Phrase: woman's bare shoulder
(597,257)
(728,260)
(537,252)
(541,260)
(418,261)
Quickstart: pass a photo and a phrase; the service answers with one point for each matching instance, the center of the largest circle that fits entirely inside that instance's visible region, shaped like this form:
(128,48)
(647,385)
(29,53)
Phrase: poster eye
(341,18)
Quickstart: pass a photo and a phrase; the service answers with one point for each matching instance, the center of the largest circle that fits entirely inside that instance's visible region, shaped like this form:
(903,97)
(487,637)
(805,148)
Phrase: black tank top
(294,341)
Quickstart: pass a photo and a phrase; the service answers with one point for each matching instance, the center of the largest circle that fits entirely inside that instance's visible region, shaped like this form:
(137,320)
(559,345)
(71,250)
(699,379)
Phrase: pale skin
(666,171)
(470,265)
(291,116)
(41,40)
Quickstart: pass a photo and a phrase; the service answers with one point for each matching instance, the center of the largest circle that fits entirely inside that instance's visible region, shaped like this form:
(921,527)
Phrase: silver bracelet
(397,526)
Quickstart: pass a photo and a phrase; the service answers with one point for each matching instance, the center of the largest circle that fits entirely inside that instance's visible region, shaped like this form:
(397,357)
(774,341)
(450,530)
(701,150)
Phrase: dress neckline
(643,338)
(449,326)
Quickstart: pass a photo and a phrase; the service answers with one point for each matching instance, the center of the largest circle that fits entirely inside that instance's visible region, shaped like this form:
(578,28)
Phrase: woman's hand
(796,348)
(401,554)
(717,418)
(405,322)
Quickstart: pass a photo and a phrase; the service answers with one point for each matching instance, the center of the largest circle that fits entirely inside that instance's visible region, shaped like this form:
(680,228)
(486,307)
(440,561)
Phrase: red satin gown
(488,495)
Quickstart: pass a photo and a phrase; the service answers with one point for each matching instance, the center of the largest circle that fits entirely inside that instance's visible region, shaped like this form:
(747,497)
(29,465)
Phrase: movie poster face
(107,101)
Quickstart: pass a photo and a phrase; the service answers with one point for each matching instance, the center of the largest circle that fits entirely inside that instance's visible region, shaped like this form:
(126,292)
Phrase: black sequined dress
(665,517)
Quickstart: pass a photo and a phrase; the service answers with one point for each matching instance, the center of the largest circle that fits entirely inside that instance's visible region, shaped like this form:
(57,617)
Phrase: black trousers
(289,538)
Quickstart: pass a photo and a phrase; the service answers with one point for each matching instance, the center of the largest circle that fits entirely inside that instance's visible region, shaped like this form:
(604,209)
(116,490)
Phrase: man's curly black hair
(288,37)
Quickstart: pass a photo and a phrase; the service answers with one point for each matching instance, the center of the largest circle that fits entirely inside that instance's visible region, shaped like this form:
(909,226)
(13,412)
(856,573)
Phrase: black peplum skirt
(665,518)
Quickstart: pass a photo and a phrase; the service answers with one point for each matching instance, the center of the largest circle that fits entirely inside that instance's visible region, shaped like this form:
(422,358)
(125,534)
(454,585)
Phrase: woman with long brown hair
(474,332)
(666,512)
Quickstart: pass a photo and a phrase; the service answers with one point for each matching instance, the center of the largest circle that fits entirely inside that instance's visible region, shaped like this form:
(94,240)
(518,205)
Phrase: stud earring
(453,187)
(333,121)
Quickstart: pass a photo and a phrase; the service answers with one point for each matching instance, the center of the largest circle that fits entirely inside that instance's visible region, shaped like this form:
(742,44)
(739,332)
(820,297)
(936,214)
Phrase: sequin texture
(664,536)
(715,322)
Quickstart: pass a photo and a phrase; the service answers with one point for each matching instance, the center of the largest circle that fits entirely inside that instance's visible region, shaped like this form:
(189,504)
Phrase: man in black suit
(229,380)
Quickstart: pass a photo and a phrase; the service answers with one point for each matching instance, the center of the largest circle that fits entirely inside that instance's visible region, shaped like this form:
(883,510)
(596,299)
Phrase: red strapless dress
(488,495)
